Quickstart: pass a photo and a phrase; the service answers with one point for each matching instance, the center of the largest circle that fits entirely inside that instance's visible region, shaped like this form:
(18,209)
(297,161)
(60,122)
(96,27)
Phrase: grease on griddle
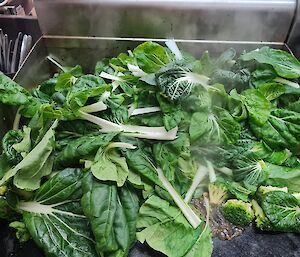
(221,228)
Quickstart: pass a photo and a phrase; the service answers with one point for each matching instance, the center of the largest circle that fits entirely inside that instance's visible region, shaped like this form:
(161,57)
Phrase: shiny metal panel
(294,37)
(252,20)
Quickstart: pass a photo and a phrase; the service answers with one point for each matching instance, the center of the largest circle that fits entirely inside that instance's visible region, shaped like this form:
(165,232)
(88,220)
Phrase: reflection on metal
(251,20)
(294,37)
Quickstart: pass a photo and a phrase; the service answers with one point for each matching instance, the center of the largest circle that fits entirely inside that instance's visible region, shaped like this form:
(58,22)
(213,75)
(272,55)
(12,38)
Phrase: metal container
(84,31)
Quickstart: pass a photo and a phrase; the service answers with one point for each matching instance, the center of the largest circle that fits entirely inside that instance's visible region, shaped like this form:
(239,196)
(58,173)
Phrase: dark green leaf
(11,93)
(284,64)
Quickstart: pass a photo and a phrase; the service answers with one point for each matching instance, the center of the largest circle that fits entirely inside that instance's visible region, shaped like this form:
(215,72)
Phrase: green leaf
(272,90)
(22,232)
(281,131)
(110,166)
(139,162)
(11,93)
(199,125)
(283,210)
(28,173)
(172,112)
(65,81)
(9,140)
(6,212)
(112,213)
(258,106)
(281,176)
(162,227)
(85,87)
(4,165)
(151,56)
(55,220)
(284,64)
(203,246)
(24,146)
(167,155)
(82,147)
(230,129)
(217,127)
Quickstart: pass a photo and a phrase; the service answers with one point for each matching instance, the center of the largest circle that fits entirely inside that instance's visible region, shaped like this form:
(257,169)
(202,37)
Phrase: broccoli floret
(217,193)
(238,212)
(261,220)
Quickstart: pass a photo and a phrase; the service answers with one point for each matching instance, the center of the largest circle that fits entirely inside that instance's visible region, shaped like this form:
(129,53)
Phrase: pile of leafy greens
(95,162)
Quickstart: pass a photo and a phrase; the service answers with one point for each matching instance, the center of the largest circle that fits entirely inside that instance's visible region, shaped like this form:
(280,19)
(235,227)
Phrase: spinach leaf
(140,162)
(10,138)
(6,212)
(172,112)
(112,213)
(82,147)
(162,227)
(282,209)
(281,131)
(110,166)
(65,81)
(284,64)
(258,106)
(151,56)
(85,87)
(4,165)
(11,93)
(216,126)
(281,176)
(29,172)
(55,219)
(167,155)
(272,90)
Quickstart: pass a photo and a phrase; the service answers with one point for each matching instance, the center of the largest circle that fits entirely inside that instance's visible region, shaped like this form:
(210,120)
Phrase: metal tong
(13,53)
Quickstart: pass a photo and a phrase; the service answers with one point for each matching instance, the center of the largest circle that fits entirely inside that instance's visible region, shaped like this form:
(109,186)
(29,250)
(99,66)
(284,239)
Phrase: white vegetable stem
(36,207)
(200,175)
(192,218)
(96,107)
(287,82)
(136,70)
(145,110)
(17,119)
(211,172)
(171,44)
(109,76)
(157,133)
(120,145)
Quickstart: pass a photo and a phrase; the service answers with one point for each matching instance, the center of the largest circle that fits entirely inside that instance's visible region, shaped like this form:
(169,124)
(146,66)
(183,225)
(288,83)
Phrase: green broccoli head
(261,220)
(217,193)
(238,212)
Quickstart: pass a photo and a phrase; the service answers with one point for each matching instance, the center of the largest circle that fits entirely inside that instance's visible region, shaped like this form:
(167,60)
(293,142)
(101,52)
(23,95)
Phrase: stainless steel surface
(252,20)
(15,53)
(294,37)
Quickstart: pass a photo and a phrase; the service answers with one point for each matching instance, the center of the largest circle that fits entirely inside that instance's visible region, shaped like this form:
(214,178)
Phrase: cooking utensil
(13,53)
